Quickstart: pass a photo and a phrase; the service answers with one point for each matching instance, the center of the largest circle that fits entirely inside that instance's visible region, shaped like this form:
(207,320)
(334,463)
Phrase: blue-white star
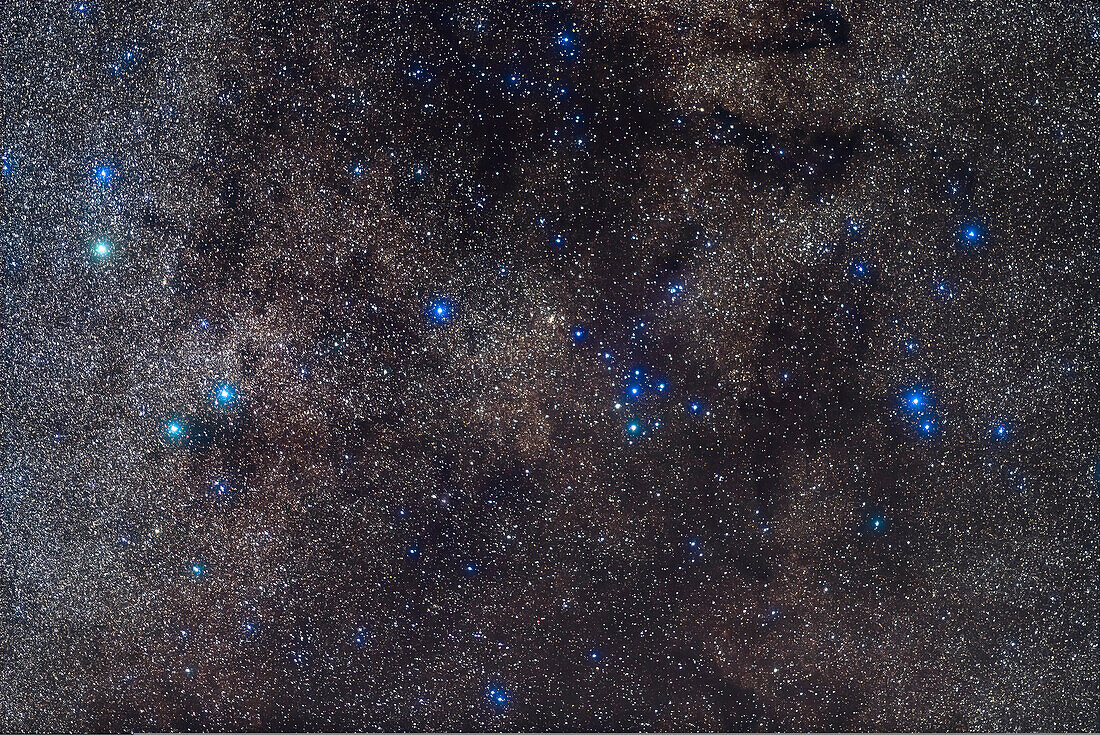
(498,696)
(104,174)
(101,248)
(440,311)
(225,395)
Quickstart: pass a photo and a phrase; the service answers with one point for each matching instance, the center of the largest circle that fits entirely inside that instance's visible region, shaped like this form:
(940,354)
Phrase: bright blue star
(694,406)
(558,241)
(927,428)
(197,569)
(1000,431)
(225,395)
(579,334)
(470,568)
(104,174)
(859,269)
(634,427)
(594,656)
(413,552)
(175,429)
(916,399)
(440,311)
(498,696)
(918,405)
(101,248)
(877,524)
(972,234)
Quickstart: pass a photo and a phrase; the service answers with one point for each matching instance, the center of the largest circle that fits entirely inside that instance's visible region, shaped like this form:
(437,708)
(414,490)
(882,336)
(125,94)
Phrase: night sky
(655,365)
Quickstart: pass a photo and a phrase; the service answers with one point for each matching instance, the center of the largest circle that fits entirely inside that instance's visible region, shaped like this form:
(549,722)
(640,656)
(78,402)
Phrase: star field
(472,366)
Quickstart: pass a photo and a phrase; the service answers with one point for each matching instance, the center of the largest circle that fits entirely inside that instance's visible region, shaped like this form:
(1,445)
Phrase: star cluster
(546,366)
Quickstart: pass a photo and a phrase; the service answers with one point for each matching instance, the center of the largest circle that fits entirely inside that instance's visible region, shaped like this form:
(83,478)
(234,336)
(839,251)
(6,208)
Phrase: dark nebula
(675,366)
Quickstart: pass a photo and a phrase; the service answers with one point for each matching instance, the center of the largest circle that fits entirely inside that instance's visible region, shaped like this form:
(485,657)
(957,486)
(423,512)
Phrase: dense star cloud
(550,366)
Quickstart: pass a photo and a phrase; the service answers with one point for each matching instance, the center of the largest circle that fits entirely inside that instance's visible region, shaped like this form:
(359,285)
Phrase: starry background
(636,366)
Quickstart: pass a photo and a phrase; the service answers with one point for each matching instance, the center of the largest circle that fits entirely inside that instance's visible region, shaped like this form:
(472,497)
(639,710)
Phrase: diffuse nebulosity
(498,366)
